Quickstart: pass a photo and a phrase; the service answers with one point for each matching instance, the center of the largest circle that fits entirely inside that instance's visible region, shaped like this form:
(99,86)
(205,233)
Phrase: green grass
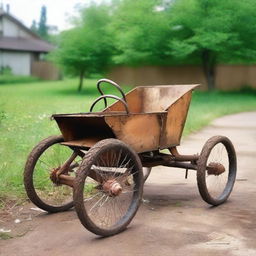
(5,236)
(206,106)
(25,110)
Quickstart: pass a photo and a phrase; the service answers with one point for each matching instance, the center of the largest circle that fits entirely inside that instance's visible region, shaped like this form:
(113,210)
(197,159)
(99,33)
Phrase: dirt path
(173,220)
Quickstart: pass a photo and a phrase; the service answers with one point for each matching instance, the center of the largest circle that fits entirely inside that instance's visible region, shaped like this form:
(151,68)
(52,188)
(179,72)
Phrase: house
(20,47)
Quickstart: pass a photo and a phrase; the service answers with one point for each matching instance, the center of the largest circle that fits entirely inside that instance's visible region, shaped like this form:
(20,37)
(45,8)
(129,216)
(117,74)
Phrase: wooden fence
(45,70)
(228,77)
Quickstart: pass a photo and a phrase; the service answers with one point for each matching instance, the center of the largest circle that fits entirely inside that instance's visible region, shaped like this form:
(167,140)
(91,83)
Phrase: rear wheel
(45,158)
(108,187)
(216,172)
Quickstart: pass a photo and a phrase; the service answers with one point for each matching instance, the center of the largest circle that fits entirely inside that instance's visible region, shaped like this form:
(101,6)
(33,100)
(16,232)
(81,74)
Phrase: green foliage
(5,70)
(203,32)
(159,32)
(212,31)
(87,48)
(34,26)
(15,79)
(139,33)
(226,28)
(42,26)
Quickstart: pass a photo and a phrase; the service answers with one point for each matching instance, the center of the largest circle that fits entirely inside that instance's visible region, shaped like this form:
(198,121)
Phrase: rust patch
(141,132)
(215,169)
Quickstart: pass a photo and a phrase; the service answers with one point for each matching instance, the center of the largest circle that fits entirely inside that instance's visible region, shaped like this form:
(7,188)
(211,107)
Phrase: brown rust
(168,160)
(175,121)
(146,99)
(66,180)
(84,143)
(178,157)
(142,131)
(61,179)
(66,166)
(83,126)
(214,168)
(112,187)
(156,120)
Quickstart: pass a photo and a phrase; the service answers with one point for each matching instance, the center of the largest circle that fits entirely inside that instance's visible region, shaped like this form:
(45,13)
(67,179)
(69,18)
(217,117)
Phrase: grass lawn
(25,110)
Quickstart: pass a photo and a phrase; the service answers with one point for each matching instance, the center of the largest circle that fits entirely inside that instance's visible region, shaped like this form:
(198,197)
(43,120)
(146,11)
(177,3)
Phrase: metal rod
(65,166)
(181,165)
(66,180)
(179,157)
(170,164)
(110,96)
(112,83)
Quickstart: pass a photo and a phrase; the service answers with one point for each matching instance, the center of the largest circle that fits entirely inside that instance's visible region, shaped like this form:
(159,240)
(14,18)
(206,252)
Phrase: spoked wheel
(216,172)
(108,187)
(44,159)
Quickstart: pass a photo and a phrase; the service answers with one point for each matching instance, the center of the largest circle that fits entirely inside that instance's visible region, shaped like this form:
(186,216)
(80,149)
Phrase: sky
(58,11)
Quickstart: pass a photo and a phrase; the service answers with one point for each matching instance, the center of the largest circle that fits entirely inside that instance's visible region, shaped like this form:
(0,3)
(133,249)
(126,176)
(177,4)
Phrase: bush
(12,79)
(5,70)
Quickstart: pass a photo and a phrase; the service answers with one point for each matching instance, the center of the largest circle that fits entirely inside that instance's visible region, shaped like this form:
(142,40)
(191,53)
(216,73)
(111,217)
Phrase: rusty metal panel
(157,119)
(83,143)
(146,99)
(79,126)
(140,131)
(176,118)
(160,98)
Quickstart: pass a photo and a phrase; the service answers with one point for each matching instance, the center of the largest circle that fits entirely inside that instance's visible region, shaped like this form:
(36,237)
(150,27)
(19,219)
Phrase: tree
(205,32)
(212,31)
(42,26)
(34,26)
(139,32)
(86,48)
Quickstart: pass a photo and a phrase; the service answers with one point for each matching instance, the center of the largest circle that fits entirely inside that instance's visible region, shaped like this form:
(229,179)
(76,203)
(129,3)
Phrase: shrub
(13,79)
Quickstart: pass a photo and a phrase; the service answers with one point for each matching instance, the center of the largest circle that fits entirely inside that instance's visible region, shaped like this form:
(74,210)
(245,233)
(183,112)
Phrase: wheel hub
(112,187)
(214,168)
(53,175)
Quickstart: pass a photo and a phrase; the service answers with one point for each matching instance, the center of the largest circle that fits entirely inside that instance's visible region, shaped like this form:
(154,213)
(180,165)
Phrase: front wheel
(108,187)
(216,171)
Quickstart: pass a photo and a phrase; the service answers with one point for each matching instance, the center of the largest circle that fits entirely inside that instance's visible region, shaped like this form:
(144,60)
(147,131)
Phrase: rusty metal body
(155,120)
(148,119)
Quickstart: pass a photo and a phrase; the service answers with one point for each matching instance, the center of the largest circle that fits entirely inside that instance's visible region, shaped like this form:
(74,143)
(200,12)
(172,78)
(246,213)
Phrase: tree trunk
(209,62)
(81,80)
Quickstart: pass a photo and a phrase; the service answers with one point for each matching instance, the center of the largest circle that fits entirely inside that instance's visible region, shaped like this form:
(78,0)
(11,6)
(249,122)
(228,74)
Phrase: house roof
(24,44)
(34,44)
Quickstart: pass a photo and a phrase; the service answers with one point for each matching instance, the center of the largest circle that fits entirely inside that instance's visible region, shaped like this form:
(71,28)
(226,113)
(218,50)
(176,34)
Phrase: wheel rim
(111,201)
(51,159)
(218,173)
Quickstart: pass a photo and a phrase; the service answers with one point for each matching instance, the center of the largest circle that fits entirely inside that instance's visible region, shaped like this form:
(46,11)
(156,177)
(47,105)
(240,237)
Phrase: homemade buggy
(101,161)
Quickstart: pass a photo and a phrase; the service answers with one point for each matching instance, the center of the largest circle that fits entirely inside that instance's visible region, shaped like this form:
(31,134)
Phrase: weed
(5,236)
